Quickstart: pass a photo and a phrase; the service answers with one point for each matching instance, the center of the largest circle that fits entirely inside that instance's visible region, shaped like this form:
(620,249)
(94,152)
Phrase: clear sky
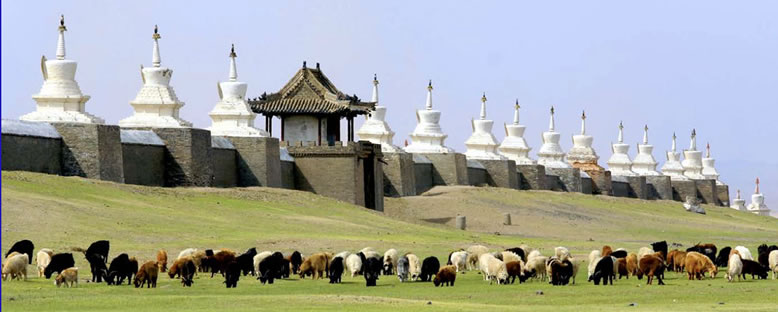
(674,65)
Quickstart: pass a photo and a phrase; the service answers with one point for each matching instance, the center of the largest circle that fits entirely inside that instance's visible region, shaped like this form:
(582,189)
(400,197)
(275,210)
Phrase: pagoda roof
(310,92)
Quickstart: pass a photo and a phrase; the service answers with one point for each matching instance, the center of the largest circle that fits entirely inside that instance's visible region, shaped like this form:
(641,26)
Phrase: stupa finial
(673,149)
(61,38)
(757,186)
(707,150)
(375,88)
(621,132)
(583,123)
(516,113)
(693,144)
(738,194)
(156,60)
(483,106)
(645,134)
(429,95)
(551,121)
(233,66)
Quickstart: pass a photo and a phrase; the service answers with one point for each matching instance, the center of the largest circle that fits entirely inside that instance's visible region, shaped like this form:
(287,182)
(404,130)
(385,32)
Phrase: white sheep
(483,264)
(562,253)
(744,253)
(390,259)
(366,250)
(493,269)
(594,257)
(508,256)
(16,267)
(343,256)
(189,252)
(459,259)
(734,267)
(259,257)
(42,259)
(773,262)
(474,252)
(354,264)
(576,265)
(644,251)
(414,266)
(538,264)
(533,254)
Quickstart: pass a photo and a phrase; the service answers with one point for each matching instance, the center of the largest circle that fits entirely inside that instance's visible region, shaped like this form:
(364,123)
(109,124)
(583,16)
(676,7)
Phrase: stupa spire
(233,66)
(738,194)
(375,88)
(707,150)
(516,113)
(674,145)
(645,134)
(483,106)
(693,144)
(757,186)
(61,39)
(583,123)
(621,132)
(429,95)
(156,60)
(551,121)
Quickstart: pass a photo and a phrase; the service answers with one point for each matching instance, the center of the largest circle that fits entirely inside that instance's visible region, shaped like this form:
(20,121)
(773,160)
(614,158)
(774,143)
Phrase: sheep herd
(500,267)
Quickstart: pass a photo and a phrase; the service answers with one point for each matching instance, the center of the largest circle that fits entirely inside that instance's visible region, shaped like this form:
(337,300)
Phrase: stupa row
(156,105)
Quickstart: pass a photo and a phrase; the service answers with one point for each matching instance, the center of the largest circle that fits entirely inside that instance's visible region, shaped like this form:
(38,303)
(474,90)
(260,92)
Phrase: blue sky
(674,65)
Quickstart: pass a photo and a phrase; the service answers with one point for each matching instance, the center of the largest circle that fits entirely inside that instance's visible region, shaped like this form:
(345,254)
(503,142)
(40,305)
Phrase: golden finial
(483,97)
(674,136)
(375,79)
(62,23)
(156,35)
(621,125)
(429,86)
(552,110)
(583,115)
(232,51)
(645,128)
(517,104)
(694,132)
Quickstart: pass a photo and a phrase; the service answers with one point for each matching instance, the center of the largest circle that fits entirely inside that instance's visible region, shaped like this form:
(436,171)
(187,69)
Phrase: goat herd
(500,267)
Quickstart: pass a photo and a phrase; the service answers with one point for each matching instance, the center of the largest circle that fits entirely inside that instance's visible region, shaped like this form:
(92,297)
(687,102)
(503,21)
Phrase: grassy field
(61,213)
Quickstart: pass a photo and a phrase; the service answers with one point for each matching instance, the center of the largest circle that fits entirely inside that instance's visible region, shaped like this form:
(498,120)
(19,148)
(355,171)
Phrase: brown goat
(220,260)
(697,264)
(147,274)
(679,261)
(632,264)
(162,260)
(446,275)
(178,265)
(315,265)
(652,266)
(606,251)
(514,270)
(622,263)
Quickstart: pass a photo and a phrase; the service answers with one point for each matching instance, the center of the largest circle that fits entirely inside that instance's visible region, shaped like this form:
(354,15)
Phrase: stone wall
(224,162)
(601,182)
(259,161)
(628,186)
(91,151)
(476,173)
(706,190)
(187,157)
(723,194)
(144,164)
(531,177)
(586,185)
(501,173)
(287,175)
(682,189)
(399,175)
(659,187)
(36,151)
(569,179)
(448,169)
(422,168)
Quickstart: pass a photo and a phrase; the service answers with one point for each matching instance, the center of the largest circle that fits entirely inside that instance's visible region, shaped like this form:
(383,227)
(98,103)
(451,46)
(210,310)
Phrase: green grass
(60,213)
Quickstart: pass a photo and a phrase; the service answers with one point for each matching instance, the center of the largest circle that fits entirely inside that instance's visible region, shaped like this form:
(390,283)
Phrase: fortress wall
(224,162)
(31,146)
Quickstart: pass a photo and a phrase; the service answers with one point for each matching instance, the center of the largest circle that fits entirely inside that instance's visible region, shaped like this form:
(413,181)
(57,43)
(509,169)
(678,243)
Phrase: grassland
(61,213)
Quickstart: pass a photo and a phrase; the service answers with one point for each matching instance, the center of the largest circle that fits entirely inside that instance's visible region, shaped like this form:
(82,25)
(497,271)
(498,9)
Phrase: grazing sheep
(773,262)
(59,262)
(622,267)
(519,252)
(632,264)
(121,267)
(188,271)
(343,256)
(162,260)
(186,253)
(403,266)
(644,251)
(679,261)
(354,264)
(763,254)
(147,275)
(315,265)
(42,259)
(606,251)
(660,247)
(508,256)
(723,258)
(515,269)
(220,260)
(259,257)
(459,260)
(473,254)
(560,270)
(246,261)
(447,275)
(448,262)
(754,268)
(200,259)
(483,265)
(23,247)
(594,257)
(371,269)
(533,254)
(494,269)
(745,254)
(336,270)
(68,277)
(536,266)
(734,266)
(390,261)
(603,271)
(296,260)
(176,268)
(619,253)
(697,264)
(231,273)
(709,250)
(271,268)
(16,266)
(429,267)
(561,253)
(414,266)
(652,266)
(576,265)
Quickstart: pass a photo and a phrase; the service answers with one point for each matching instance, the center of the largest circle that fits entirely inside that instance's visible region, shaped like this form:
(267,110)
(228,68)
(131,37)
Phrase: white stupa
(738,203)
(514,146)
(428,137)
(644,163)
(757,205)
(156,104)
(551,154)
(376,129)
(232,116)
(672,166)
(582,151)
(482,144)
(619,164)
(60,99)
(708,169)
(692,160)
